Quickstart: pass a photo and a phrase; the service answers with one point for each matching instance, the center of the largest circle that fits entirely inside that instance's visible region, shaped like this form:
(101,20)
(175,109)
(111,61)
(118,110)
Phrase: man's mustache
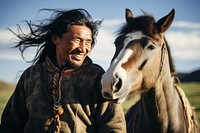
(78,51)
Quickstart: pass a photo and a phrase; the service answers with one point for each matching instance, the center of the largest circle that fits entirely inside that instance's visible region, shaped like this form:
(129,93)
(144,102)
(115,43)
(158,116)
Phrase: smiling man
(60,92)
(73,46)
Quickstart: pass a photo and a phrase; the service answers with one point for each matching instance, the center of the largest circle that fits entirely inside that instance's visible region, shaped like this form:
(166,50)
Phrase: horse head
(139,56)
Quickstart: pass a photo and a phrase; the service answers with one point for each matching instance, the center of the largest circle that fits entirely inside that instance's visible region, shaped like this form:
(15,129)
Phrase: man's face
(73,47)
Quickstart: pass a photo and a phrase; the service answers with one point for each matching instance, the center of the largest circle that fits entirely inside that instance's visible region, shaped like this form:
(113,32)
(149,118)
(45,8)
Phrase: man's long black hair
(58,24)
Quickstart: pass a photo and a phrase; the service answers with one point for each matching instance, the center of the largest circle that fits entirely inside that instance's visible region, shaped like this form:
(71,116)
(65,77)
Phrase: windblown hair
(58,24)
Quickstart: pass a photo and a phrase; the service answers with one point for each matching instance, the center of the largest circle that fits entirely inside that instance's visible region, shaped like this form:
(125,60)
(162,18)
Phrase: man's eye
(76,40)
(88,42)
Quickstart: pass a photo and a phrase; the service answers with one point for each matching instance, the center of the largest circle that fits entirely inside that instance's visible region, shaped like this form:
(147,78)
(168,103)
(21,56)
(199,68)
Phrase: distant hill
(190,77)
(5,85)
(184,77)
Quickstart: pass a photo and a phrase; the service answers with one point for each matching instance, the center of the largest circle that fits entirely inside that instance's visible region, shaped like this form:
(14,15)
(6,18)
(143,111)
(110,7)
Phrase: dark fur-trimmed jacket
(29,109)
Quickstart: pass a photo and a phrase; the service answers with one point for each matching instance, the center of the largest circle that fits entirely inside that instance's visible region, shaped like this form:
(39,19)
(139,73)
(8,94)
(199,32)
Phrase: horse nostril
(117,85)
(106,95)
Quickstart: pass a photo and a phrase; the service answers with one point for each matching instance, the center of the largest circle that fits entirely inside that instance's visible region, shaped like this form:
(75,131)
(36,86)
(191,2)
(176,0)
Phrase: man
(60,92)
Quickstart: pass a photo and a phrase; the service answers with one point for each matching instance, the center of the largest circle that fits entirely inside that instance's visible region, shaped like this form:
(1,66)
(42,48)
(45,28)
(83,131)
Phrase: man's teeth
(79,55)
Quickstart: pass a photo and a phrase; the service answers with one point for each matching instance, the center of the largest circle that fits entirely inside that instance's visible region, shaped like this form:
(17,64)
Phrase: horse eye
(151,47)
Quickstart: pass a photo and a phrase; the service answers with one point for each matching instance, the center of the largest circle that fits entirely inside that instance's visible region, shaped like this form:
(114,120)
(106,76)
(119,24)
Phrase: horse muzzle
(111,89)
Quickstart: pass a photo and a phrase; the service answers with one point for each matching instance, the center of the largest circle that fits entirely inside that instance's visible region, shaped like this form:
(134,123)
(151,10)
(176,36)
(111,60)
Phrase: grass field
(4,96)
(5,92)
(192,91)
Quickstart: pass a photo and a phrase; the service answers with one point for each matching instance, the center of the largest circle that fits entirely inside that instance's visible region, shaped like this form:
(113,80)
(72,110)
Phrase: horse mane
(173,71)
(140,24)
(171,62)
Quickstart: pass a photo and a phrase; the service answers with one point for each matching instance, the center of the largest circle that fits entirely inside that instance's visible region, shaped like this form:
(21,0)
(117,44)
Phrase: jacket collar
(66,70)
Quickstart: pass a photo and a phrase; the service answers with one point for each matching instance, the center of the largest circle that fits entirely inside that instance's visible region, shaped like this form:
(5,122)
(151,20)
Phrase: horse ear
(164,23)
(129,15)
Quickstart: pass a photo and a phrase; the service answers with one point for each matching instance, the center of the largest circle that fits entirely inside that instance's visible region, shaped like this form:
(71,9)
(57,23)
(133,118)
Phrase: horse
(142,64)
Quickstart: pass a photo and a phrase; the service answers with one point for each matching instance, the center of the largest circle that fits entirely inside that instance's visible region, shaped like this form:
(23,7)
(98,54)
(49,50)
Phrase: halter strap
(163,52)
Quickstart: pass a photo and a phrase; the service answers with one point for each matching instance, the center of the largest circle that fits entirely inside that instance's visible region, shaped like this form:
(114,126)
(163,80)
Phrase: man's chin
(75,64)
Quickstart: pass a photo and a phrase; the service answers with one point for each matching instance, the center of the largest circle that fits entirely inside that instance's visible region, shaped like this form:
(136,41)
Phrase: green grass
(192,91)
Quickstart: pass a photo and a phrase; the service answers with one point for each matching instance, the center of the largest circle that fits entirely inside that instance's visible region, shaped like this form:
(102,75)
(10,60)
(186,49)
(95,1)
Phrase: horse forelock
(146,24)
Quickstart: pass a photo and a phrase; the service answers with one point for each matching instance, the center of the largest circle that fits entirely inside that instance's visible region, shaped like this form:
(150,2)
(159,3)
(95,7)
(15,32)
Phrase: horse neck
(163,102)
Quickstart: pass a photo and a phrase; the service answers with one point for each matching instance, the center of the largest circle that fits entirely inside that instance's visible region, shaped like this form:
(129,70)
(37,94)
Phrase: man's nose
(83,46)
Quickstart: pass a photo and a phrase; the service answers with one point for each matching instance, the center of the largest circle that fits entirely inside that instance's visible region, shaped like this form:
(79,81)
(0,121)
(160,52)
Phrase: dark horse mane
(140,24)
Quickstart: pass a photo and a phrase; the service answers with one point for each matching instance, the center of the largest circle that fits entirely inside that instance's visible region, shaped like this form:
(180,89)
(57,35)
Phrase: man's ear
(54,39)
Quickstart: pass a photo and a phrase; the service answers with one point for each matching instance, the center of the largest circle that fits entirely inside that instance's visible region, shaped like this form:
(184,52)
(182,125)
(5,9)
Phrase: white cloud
(14,54)
(6,55)
(184,45)
(112,22)
(5,37)
(184,24)
(104,49)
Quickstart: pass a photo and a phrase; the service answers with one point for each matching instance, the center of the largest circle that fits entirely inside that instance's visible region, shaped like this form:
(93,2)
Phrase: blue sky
(183,36)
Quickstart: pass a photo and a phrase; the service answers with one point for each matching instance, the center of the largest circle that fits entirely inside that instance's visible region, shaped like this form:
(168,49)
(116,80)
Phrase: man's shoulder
(93,66)
(33,68)
(96,67)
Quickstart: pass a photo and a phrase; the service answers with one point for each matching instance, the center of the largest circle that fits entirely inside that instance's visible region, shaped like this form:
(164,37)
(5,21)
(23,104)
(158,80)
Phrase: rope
(57,108)
(57,124)
(56,91)
(162,60)
(191,119)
